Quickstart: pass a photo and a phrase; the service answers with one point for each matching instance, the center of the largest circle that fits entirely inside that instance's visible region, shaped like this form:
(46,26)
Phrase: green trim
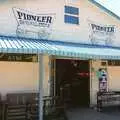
(105,9)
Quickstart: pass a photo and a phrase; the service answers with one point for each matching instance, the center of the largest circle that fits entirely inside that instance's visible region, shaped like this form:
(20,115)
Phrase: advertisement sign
(102,34)
(31,24)
(102,80)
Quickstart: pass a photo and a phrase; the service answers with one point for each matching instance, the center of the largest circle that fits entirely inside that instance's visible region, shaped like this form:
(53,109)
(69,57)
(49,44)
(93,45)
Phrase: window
(71,19)
(71,10)
(71,15)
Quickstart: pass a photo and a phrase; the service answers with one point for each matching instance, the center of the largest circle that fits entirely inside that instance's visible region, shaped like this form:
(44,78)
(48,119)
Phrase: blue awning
(35,46)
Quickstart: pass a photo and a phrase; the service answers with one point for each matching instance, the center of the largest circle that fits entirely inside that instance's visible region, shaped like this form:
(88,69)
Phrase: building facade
(59,30)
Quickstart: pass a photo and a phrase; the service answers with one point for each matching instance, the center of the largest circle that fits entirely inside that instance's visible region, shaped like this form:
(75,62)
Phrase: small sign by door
(102,80)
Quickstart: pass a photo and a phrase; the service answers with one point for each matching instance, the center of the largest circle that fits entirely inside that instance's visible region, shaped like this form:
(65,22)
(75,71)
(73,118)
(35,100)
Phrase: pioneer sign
(31,24)
(102,34)
(108,29)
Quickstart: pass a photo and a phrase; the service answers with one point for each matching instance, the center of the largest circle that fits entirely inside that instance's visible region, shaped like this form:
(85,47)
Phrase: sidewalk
(90,114)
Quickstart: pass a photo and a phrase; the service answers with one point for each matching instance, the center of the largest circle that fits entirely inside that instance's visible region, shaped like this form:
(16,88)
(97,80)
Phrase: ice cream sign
(31,24)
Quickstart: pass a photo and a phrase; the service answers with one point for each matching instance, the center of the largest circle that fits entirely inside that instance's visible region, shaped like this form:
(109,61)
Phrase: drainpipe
(41,78)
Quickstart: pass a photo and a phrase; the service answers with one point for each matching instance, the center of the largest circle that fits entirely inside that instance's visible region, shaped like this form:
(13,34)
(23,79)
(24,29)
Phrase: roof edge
(62,42)
(105,9)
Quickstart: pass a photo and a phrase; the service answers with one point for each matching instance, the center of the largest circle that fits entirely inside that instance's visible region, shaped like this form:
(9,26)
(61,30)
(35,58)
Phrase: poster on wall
(33,25)
(102,34)
(102,79)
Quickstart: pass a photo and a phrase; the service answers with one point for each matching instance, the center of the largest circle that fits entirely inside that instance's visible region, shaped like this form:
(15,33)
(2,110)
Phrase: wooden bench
(25,106)
(105,99)
(20,106)
(16,106)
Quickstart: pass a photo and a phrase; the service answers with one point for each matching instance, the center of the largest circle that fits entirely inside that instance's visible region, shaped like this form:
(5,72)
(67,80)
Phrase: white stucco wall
(60,31)
(22,77)
(114,78)
(88,13)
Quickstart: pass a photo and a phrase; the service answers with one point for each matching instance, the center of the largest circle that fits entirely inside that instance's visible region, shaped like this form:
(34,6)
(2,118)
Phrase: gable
(106,27)
(107,10)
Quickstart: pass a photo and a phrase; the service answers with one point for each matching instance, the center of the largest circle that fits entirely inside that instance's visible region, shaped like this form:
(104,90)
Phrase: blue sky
(113,5)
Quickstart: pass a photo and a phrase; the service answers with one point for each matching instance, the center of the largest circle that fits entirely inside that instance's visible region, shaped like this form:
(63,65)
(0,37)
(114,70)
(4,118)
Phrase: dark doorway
(72,81)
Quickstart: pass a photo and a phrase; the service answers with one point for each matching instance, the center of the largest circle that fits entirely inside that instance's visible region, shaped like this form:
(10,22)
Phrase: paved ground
(90,114)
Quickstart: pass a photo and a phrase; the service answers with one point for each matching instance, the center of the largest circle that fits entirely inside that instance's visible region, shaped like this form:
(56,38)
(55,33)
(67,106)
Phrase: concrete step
(90,114)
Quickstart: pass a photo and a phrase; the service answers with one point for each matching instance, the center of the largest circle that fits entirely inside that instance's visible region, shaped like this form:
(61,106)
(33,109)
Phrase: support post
(41,78)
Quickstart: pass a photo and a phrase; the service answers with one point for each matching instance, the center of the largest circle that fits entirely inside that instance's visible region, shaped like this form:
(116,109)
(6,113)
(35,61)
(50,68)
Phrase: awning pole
(41,78)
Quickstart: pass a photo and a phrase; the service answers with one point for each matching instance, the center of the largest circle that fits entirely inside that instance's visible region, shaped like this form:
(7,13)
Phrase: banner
(38,25)
(102,34)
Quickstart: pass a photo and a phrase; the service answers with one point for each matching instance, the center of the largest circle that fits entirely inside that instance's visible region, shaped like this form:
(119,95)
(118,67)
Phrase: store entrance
(72,81)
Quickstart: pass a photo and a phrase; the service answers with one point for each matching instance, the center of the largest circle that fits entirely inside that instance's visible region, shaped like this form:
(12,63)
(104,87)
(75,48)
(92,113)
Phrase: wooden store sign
(18,57)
